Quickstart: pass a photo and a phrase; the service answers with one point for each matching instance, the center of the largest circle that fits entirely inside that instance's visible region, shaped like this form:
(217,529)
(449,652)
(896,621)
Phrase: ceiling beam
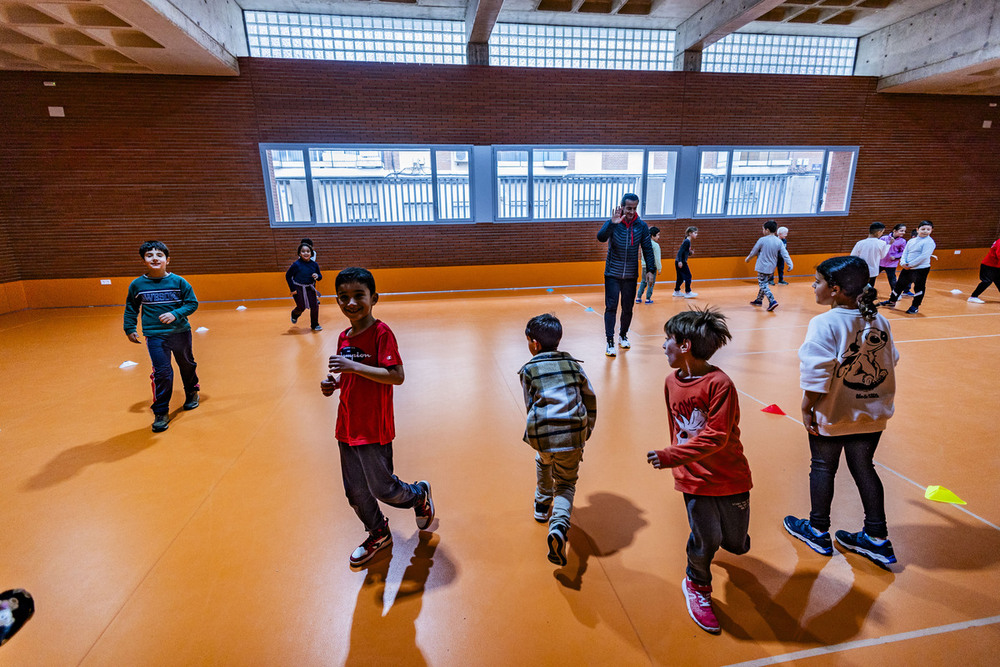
(480,17)
(713,22)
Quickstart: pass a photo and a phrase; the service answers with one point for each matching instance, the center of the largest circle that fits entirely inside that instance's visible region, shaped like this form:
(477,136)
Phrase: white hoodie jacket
(852,362)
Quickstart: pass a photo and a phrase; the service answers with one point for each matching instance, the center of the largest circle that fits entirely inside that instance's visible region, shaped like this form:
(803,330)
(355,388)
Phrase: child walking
(916,264)
(301,277)
(562,410)
(648,277)
(368,364)
(847,374)
(872,250)
(896,244)
(681,261)
(165,301)
(767,250)
(705,453)
(989,272)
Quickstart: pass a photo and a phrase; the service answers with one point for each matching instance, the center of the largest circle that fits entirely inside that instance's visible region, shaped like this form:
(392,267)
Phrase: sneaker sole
(356,563)
(812,545)
(772,307)
(542,518)
(430,501)
(557,548)
(687,604)
(878,559)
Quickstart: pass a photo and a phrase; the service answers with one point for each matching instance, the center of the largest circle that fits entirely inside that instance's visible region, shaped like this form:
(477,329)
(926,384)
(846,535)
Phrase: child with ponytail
(847,373)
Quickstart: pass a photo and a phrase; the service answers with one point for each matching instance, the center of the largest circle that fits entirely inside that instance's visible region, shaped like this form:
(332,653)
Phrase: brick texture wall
(176,158)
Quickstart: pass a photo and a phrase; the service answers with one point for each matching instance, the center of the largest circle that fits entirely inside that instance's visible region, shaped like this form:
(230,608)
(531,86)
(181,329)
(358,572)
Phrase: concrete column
(688,61)
(477,53)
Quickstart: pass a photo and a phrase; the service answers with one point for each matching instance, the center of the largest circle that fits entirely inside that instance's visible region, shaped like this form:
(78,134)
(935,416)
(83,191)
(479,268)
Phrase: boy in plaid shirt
(562,409)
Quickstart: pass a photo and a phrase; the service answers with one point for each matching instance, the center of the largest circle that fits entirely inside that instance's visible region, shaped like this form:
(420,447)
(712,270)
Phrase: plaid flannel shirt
(561,404)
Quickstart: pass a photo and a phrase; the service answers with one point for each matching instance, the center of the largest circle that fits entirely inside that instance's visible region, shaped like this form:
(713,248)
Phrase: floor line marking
(866,643)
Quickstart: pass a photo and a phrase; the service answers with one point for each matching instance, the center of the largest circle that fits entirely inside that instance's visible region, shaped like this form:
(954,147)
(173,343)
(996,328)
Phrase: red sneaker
(377,540)
(699,604)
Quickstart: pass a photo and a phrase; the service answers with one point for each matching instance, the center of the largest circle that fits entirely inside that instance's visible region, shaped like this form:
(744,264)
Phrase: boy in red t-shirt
(368,362)
(705,453)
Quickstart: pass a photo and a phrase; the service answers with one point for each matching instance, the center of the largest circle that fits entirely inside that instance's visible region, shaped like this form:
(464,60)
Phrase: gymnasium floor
(224,541)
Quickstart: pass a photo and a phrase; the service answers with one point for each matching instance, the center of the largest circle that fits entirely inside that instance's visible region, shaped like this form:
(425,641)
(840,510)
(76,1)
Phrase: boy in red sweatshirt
(705,454)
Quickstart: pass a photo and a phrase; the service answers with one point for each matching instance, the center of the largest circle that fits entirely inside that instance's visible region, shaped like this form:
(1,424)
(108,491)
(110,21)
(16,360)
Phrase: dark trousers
(613,289)
(859,450)
(987,275)
(306,295)
(919,279)
(716,521)
(781,268)
(683,276)
(890,274)
(368,478)
(160,348)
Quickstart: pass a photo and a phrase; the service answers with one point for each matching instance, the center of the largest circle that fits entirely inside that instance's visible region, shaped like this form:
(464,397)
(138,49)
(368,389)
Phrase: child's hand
(329,385)
(295,292)
(134,337)
(167,318)
(339,364)
(654,460)
(315,276)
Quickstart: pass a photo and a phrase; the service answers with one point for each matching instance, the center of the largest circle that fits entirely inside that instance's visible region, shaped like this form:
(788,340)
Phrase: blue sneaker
(801,529)
(880,554)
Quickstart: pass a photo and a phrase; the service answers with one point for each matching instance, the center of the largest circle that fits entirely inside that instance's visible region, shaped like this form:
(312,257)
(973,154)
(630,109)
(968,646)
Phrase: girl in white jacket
(847,373)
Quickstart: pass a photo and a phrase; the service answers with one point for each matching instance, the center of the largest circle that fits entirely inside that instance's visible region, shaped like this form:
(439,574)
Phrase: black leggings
(987,275)
(859,450)
(683,276)
(613,288)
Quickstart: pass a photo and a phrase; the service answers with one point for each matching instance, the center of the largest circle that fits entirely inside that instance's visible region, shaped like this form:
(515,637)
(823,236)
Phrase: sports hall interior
(225,539)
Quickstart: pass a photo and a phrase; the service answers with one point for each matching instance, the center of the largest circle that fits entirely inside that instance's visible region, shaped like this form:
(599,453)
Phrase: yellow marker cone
(942,495)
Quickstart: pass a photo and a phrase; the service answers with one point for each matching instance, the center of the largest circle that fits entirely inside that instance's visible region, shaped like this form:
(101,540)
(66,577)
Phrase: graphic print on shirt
(860,368)
(355,354)
(689,427)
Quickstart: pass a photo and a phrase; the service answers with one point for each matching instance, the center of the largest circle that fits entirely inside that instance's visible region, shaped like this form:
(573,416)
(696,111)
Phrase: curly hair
(850,274)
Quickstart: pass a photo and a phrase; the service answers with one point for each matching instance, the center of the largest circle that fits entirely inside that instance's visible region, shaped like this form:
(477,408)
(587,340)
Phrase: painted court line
(865,643)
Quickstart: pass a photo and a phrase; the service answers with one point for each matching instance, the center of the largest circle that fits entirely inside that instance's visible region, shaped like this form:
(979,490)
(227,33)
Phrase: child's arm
(329,385)
(785,256)
(132,308)
(809,400)
(590,403)
(719,422)
(288,278)
(189,304)
(754,252)
(382,375)
(318,275)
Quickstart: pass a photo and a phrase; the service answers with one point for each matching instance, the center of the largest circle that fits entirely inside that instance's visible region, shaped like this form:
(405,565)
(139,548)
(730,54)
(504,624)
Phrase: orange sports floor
(224,541)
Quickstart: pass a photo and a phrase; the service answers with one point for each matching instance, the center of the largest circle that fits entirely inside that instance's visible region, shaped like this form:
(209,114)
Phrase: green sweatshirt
(155,296)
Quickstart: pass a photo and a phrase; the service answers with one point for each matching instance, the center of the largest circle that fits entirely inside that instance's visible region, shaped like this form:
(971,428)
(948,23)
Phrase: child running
(368,362)
(705,452)
(681,261)
(301,277)
(767,250)
(562,410)
(847,369)
(989,272)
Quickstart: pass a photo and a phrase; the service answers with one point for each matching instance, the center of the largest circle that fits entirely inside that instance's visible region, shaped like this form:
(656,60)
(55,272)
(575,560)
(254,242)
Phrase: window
(523,45)
(762,182)
(369,185)
(781,54)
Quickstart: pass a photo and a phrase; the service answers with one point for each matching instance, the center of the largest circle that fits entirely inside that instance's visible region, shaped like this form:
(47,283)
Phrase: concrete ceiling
(925,46)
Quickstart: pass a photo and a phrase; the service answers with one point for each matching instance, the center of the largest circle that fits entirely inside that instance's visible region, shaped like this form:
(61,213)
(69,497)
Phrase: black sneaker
(542,511)
(376,541)
(757,302)
(191,400)
(425,508)
(912,310)
(771,306)
(782,282)
(161,423)
(889,303)
(557,545)
(294,319)
(16,607)
(880,554)
(801,529)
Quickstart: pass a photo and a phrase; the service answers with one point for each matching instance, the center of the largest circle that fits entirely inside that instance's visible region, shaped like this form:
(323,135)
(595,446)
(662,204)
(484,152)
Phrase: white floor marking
(865,643)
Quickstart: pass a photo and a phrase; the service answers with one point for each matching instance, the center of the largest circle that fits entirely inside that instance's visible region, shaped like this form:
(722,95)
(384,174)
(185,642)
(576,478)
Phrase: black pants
(683,276)
(306,295)
(859,450)
(987,275)
(613,289)
(160,350)
(890,274)
(781,268)
(919,279)
(716,521)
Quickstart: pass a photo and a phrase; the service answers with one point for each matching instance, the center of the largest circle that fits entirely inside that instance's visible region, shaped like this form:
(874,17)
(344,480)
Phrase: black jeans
(919,280)
(716,521)
(613,289)
(683,276)
(859,450)
(368,478)
(987,275)
(781,268)
(890,274)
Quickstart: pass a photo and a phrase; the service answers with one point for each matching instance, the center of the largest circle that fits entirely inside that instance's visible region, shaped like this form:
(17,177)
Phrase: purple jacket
(896,246)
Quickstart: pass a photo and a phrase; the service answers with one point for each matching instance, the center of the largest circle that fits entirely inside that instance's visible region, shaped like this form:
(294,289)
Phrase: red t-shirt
(705,452)
(365,413)
(993,256)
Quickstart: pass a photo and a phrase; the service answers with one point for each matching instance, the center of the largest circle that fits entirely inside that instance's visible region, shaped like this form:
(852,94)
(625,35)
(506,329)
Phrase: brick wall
(176,158)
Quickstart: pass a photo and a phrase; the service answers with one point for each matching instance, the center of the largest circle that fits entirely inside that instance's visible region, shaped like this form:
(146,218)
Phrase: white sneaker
(690,295)
(678,293)
(611,351)
(623,343)
(975,299)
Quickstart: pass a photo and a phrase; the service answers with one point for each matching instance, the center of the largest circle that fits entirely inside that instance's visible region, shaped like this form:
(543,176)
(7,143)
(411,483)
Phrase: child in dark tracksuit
(301,277)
